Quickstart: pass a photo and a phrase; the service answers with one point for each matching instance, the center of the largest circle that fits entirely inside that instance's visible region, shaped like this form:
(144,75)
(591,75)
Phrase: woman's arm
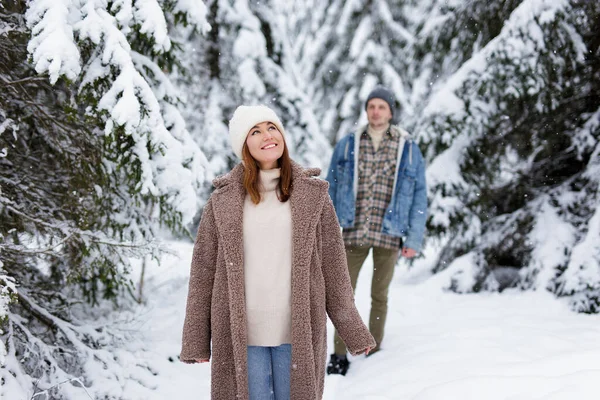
(338,290)
(196,328)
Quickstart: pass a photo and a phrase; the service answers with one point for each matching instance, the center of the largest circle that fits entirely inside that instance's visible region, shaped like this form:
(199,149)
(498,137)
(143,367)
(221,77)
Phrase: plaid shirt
(376,171)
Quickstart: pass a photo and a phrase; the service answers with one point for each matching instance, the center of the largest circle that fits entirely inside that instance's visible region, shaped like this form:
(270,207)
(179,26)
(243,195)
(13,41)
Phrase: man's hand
(408,253)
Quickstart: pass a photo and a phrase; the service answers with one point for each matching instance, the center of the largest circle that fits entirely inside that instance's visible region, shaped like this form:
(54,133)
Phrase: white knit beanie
(244,118)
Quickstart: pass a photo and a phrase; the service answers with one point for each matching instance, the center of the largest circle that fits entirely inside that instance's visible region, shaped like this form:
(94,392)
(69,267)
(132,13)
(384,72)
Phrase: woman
(268,267)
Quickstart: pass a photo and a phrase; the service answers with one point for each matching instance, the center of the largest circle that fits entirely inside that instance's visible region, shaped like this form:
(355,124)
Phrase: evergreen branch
(39,313)
(85,340)
(24,80)
(36,105)
(15,15)
(71,332)
(54,324)
(95,237)
(24,250)
(26,216)
(45,391)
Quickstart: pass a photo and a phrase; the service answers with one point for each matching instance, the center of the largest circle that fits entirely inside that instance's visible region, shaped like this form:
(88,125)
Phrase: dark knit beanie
(382,93)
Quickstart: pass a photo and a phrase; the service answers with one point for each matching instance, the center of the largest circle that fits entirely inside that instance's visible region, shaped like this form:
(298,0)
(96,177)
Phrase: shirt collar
(394,133)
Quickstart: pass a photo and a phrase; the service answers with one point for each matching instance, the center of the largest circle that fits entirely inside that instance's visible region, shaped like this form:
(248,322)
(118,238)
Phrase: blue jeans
(269,372)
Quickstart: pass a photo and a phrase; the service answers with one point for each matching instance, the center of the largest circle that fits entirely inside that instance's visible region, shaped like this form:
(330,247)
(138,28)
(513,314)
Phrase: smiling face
(378,113)
(265,143)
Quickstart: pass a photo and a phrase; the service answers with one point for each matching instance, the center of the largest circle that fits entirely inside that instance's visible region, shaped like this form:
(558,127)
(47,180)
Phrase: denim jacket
(407,212)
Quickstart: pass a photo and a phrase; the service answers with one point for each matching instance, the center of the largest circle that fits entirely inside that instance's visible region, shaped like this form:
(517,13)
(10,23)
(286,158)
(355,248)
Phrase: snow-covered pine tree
(247,59)
(207,104)
(345,48)
(94,159)
(447,35)
(517,112)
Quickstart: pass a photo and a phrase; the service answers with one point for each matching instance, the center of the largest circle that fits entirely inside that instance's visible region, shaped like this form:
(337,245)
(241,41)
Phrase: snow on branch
(8,290)
(124,13)
(350,7)
(125,92)
(8,123)
(519,36)
(121,100)
(583,270)
(179,144)
(133,103)
(79,349)
(395,27)
(587,138)
(196,12)
(64,232)
(149,15)
(52,45)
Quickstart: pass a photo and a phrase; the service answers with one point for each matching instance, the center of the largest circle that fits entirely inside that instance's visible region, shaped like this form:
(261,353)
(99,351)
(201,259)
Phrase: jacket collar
(394,130)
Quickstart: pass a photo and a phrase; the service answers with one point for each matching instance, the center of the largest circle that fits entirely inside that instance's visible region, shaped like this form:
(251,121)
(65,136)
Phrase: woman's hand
(203,360)
(367,351)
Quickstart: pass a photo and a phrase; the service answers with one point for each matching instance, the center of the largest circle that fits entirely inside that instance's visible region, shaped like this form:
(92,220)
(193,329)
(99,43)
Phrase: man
(377,185)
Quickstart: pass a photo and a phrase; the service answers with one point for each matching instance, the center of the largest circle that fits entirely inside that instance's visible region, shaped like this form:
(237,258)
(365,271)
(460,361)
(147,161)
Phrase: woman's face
(266,144)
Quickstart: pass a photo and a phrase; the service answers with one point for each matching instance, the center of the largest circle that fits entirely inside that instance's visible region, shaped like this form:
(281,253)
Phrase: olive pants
(384,261)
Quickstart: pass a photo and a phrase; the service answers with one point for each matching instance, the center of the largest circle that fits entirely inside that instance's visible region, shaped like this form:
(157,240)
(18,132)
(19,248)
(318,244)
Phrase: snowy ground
(513,346)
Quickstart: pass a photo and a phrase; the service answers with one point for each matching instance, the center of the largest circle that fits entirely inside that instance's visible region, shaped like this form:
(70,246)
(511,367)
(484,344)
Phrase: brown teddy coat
(216,308)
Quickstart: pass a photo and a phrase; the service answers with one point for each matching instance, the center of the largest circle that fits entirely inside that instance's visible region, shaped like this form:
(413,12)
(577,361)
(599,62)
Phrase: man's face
(378,113)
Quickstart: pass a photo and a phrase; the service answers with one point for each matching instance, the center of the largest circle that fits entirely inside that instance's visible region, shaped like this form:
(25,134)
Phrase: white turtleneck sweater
(268,265)
(377,135)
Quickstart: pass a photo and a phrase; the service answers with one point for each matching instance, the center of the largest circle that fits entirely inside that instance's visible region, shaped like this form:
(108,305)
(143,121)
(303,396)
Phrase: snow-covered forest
(113,122)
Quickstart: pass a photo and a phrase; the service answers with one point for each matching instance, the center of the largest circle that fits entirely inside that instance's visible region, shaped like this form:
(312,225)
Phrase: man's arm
(332,172)
(417,216)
